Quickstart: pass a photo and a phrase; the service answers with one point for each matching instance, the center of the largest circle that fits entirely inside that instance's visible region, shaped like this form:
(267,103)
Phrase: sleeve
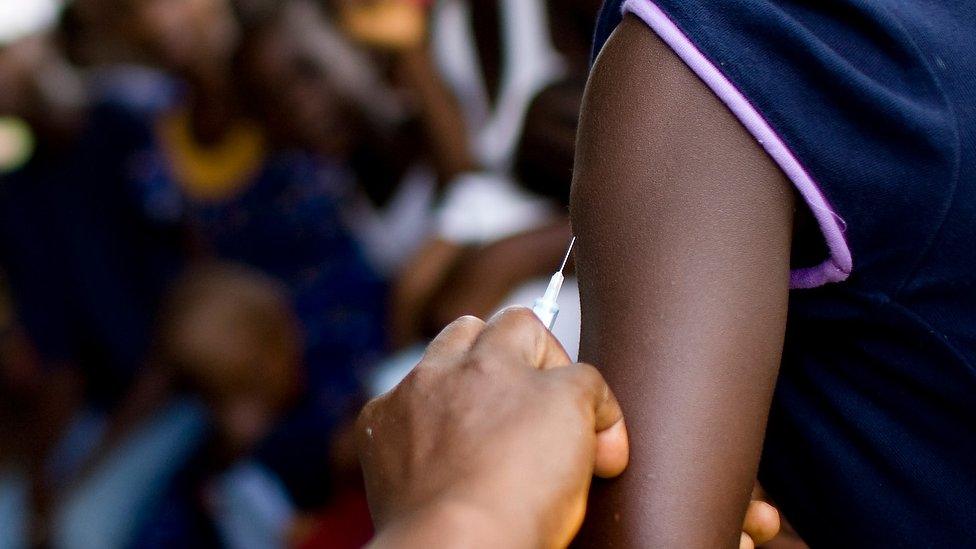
(843,101)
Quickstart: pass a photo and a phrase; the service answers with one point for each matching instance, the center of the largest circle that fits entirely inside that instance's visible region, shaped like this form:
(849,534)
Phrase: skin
(685,234)
(195,40)
(446,280)
(231,335)
(399,29)
(414,288)
(191,37)
(479,494)
(546,151)
(493,440)
(483,277)
(291,93)
(684,229)
(384,24)
(440,115)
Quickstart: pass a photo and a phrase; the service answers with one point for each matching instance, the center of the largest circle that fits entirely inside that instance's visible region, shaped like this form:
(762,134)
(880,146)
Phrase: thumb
(612,451)
(612,443)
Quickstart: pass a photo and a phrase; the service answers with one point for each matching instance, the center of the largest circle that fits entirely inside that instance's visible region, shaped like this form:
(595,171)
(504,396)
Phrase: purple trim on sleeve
(839,265)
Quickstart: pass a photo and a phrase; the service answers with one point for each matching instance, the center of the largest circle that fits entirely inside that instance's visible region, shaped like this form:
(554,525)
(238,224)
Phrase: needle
(546,307)
(568,253)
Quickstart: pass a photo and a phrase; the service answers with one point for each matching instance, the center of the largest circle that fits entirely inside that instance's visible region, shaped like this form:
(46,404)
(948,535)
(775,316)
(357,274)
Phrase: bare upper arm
(684,231)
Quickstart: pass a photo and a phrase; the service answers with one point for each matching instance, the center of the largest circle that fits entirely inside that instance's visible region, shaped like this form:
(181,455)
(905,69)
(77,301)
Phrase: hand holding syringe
(546,307)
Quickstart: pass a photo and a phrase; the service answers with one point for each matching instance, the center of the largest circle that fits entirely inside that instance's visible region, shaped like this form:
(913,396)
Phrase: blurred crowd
(224,224)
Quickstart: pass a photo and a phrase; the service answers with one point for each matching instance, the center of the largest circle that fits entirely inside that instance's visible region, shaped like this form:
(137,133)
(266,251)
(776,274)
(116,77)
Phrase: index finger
(454,340)
(516,337)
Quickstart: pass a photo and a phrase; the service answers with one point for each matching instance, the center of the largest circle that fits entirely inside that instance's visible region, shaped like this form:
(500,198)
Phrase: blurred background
(225,224)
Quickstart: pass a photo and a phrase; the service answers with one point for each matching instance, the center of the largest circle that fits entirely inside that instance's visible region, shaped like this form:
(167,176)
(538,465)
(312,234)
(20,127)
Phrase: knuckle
(420,377)
(378,407)
(587,379)
(519,316)
(455,336)
(479,362)
(366,418)
(367,411)
(469,322)
(519,325)
(589,369)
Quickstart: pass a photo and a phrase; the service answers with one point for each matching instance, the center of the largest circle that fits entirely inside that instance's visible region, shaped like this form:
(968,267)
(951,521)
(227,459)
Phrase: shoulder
(843,99)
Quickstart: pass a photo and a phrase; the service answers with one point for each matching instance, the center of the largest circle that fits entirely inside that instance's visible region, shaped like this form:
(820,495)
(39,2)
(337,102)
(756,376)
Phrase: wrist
(451,524)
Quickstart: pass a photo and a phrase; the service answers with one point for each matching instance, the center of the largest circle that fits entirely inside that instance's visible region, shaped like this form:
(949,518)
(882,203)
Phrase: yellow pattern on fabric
(216,171)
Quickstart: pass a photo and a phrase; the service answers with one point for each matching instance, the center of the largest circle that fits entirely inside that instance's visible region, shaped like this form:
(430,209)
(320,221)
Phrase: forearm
(440,115)
(482,278)
(414,287)
(683,261)
(534,253)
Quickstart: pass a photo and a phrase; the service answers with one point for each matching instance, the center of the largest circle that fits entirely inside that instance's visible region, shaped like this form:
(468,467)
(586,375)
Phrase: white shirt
(529,63)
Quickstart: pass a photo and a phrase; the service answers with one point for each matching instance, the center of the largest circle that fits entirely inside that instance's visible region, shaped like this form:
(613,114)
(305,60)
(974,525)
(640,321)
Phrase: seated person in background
(86,257)
(255,192)
(230,336)
(483,276)
(429,289)
(519,112)
(290,221)
(402,165)
(416,43)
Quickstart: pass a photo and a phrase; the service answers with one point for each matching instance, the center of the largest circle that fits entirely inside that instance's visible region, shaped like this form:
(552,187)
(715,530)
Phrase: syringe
(546,307)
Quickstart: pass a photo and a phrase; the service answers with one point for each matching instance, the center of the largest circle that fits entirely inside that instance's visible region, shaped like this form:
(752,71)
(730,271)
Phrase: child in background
(229,353)
(229,332)
(230,336)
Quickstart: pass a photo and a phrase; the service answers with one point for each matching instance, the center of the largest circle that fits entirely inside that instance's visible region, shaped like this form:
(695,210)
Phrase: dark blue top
(88,249)
(288,223)
(872,437)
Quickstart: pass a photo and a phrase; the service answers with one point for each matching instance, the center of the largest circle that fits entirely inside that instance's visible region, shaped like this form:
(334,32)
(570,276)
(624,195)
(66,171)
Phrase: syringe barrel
(555,286)
(547,311)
